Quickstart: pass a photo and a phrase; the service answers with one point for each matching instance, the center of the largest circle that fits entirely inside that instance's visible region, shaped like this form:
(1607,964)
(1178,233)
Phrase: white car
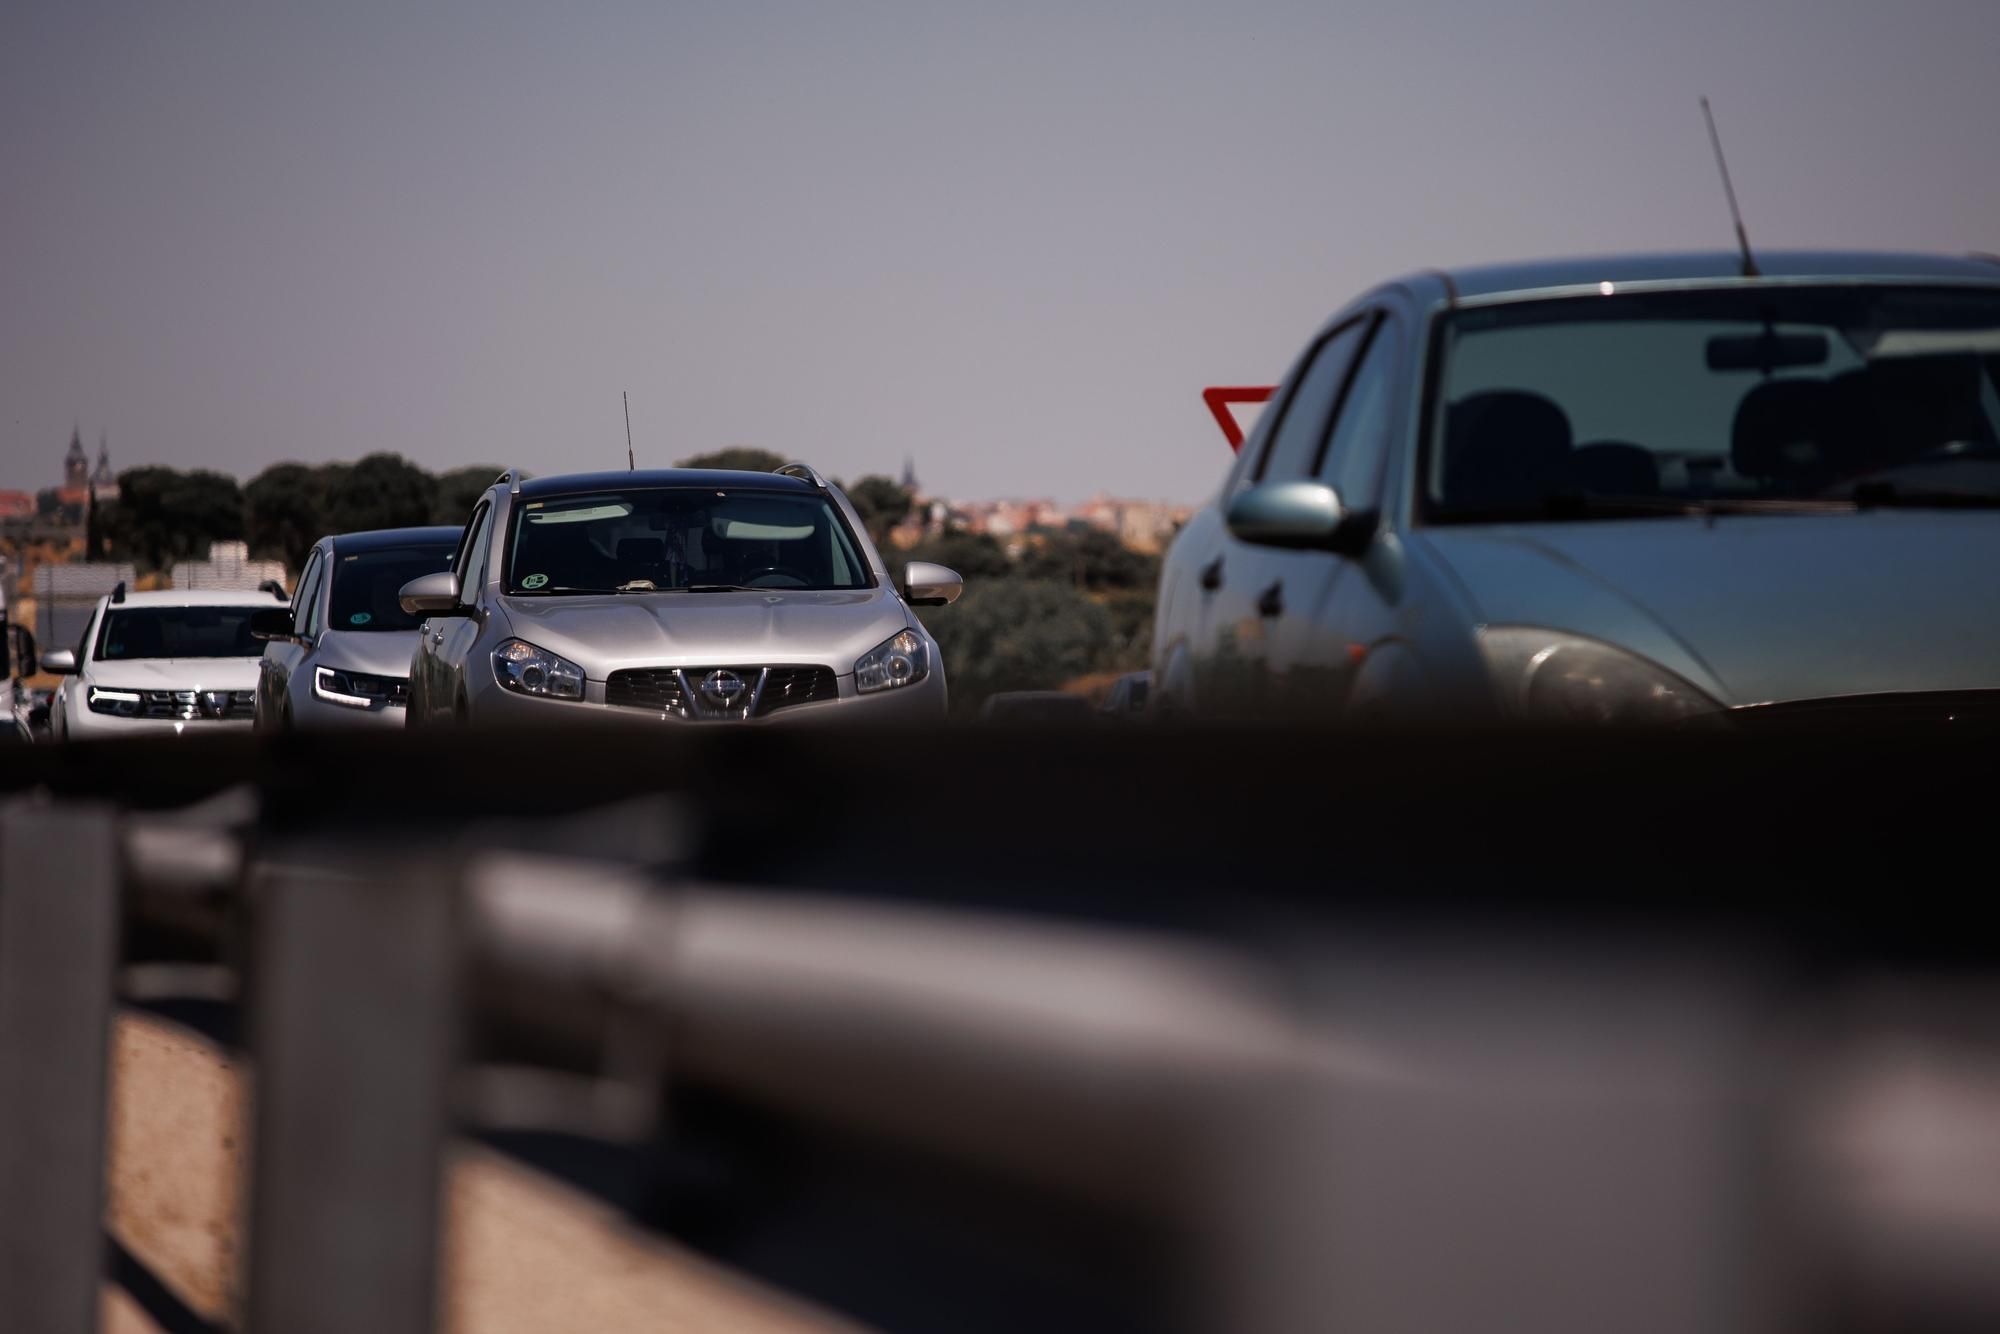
(159,663)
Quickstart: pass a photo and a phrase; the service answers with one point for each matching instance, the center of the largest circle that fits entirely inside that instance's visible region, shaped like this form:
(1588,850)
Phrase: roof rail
(1983,255)
(512,477)
(802,472)
(274,587)
(118,593)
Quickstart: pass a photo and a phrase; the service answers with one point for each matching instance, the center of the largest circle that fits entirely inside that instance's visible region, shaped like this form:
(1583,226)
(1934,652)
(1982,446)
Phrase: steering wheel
(797,579)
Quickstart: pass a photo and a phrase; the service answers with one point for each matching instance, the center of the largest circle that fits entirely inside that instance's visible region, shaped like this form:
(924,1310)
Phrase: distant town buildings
(228,567)
(61,513)
(1143,525)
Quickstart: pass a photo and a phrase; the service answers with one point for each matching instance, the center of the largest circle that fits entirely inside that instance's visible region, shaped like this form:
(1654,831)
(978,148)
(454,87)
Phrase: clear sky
(1014,240)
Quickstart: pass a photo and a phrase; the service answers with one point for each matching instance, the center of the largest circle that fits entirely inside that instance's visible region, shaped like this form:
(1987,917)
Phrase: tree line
(164,515)
(1060,604)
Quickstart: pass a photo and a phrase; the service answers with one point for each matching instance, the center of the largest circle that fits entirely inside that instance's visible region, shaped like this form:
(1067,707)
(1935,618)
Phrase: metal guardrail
(1552,1107)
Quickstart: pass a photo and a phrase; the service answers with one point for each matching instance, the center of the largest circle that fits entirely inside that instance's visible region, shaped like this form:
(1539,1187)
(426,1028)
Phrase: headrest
(1615,468)
(642,551)
(1912,404)
(1787,429)
(1504,447)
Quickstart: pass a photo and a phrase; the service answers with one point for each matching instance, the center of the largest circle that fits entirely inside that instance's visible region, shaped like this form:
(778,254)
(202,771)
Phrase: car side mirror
(272,623)
(20,650)
(929,585)
(1299,516)
(61,661)
(431,595)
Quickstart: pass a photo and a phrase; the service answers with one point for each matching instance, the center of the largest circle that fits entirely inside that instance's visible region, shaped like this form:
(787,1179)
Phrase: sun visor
(587,511)
(753,522)
(1935,342)
(744,530)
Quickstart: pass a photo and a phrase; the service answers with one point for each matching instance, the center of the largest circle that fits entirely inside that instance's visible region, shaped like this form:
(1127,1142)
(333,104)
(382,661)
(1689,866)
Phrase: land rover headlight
(1551,678)
(527,670)
(901,660)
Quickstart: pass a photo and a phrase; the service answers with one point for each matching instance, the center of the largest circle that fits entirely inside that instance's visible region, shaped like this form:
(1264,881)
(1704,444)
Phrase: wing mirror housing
(929,585)
(431,595)
(20,648)
(272,623)
(1300,516)
(61,661)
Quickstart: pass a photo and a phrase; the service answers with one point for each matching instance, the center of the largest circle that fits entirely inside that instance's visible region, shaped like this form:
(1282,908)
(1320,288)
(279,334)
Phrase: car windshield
(176,632)
(1615,404)
(365,585)
(681,539)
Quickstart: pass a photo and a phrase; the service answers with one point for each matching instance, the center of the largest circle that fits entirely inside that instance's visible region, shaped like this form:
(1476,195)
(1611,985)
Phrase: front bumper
(310,711)
(84,724)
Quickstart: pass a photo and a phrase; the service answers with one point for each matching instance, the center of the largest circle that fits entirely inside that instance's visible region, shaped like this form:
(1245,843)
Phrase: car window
(177,632)
(671,539)
(1610,406)
(1352,456)
(366,586)
(1296,436)
(457,564)
(470,562)
(305,598)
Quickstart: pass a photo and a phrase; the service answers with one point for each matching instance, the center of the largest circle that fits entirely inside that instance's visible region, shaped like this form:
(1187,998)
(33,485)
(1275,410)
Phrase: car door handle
(1272,603)
(1211,575)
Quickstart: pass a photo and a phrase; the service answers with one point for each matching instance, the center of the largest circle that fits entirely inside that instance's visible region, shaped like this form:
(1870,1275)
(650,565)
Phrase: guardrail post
(354,1029)
(58,949)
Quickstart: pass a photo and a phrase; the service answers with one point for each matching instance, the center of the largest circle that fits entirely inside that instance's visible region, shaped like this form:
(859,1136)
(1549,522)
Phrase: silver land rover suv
(678,595)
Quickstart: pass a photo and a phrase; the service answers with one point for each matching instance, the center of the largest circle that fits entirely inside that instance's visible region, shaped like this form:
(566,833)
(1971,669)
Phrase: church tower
(76,464)
(103,481)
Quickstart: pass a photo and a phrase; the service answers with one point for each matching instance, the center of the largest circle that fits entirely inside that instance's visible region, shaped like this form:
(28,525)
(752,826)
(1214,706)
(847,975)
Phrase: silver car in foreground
(339,656)
(679,595)
(1647,489)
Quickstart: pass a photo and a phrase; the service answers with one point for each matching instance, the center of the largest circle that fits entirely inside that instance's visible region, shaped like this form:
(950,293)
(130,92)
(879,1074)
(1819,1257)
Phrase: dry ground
(524,1254)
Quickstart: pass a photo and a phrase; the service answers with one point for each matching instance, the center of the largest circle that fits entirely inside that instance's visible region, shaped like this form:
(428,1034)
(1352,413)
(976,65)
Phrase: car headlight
(358,690)
(121,703)
(1546,676)
(527,670)
(901,660)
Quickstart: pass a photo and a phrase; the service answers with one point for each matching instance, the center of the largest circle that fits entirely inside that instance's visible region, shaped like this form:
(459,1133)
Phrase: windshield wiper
(1578,505)
(720,588)
(1887,495)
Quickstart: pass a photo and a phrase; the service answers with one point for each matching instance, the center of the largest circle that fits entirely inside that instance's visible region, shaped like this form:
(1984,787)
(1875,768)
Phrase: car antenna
(631,464)
(1736,214)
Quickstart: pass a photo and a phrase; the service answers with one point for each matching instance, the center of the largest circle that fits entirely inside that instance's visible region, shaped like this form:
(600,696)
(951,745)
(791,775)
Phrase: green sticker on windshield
(360,618)
(534,581)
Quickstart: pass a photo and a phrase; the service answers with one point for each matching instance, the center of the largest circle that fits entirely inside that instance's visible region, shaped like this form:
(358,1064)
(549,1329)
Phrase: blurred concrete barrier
(990,1030)
(58,946)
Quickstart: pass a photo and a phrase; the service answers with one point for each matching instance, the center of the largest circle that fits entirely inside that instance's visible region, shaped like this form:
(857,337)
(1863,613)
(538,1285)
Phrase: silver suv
(677,595)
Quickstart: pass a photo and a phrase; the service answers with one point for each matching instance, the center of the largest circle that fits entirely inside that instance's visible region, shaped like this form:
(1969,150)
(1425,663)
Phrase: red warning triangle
(1219,399)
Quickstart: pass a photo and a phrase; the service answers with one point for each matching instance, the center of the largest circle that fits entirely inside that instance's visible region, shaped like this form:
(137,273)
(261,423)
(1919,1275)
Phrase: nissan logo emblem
(722,687)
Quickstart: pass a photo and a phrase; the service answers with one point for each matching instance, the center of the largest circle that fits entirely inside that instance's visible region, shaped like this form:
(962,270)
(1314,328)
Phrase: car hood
(1757,608)
(376,652)
(764,627)
(176,674)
